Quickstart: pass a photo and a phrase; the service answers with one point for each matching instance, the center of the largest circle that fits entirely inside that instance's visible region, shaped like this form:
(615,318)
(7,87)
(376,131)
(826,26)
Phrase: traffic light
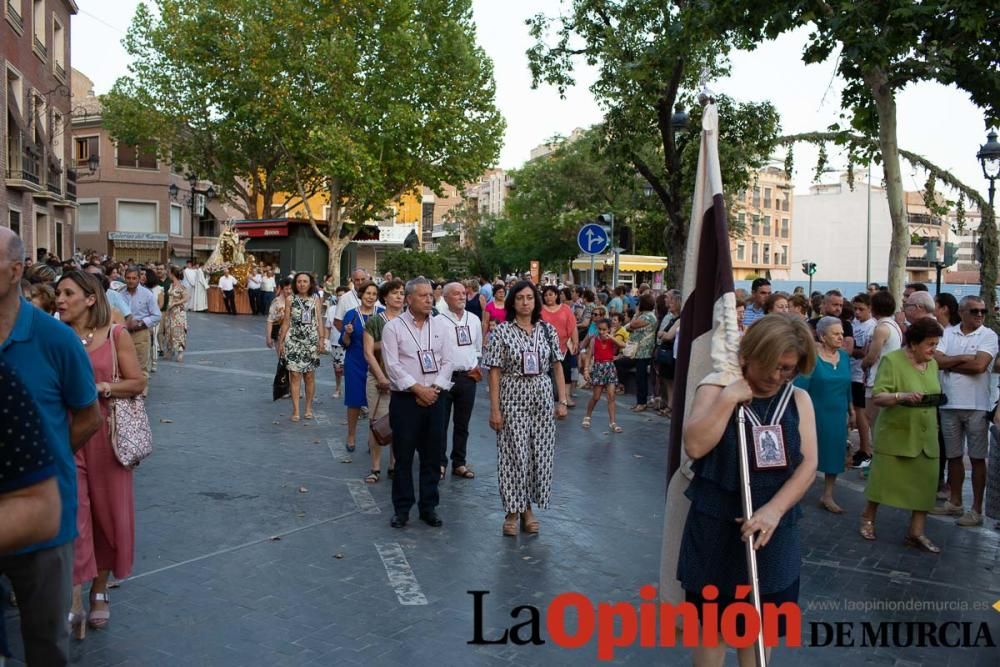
(625,238)
(809,268)
(950,253)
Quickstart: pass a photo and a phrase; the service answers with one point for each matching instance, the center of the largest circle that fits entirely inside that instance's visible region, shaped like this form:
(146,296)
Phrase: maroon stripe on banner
(713,278)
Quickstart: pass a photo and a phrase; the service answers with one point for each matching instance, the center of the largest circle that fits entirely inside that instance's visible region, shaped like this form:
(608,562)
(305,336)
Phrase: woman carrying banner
(781,440)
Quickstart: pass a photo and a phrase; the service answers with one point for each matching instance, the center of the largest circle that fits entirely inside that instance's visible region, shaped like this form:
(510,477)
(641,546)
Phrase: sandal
(615,427)
(442,473)
(99,619)
(921,542)
(510,525)
(463,471)
(529,525)
(867,528)
(571,403)
(586,422)
(831,507)
(294,418)
(639,408)
(309,415)
(663,412)
(350,447)
(373,477)
(78,624)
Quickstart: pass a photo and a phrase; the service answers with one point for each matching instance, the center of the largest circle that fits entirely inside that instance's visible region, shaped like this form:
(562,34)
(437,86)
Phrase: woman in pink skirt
(105,517)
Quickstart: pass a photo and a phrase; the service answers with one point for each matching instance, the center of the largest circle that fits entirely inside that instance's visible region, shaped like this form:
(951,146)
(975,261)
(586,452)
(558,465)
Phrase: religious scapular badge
(463,335)
(427,362)
(769,451)
(307,314)
(529,356)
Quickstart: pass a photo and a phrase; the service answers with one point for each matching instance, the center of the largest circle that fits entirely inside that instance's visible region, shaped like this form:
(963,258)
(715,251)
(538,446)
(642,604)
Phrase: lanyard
(417,342)
(779,412)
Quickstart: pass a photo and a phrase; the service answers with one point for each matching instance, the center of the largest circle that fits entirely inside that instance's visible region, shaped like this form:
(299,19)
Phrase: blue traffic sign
(593,239)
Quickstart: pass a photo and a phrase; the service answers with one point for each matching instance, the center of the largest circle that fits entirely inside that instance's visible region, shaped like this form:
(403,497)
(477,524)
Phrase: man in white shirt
(254,282)
(348,302)
(965,356)
(228,286)
(863,326)
(466,336)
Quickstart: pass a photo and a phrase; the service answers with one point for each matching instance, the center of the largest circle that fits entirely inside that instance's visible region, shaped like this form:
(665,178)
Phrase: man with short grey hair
(348,302)
(917,305)
(965,356)
(465,334)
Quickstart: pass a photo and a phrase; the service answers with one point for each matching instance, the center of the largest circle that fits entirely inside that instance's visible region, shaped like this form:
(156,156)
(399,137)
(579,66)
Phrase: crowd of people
(917,383)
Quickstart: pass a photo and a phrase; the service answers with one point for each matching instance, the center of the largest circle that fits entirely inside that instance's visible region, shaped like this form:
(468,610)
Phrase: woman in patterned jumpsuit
(519,355)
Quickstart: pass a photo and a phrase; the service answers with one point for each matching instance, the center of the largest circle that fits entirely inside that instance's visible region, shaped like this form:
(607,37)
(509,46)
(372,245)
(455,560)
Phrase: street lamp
(679,120)
(192,199)
(93,162)
(989,159)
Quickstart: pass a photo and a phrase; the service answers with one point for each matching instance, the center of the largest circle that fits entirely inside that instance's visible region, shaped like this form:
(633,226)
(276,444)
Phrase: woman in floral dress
(175,319)
(301,339)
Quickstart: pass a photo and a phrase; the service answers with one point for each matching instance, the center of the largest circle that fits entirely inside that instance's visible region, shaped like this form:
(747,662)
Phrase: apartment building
(764,212)
(38,193)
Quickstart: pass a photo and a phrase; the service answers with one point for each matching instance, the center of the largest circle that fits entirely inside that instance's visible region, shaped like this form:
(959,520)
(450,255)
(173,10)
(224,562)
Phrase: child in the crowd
(600,372)
(43,297)
(336,351)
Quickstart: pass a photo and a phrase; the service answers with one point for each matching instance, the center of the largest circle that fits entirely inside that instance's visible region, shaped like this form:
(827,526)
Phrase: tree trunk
(899,248)
(675,242)
(988,269)
(335,247)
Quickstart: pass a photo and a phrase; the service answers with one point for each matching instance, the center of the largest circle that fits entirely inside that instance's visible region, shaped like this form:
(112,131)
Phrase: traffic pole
(591,272)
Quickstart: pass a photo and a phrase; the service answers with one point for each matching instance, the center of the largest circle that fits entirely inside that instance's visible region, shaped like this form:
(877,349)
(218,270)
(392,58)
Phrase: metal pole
(868,245)
(751,553)
(937,267)
(614,271)
(591,272)
(192,223)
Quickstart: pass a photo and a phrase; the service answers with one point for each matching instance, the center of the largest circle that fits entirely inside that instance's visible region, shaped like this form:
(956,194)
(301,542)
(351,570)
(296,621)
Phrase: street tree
(882,47)
(651,56)
(353,101)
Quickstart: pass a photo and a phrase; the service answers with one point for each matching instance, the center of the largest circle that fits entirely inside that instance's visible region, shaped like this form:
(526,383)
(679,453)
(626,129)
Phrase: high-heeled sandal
(615,427)
(510,525)
(529,526)
(99,619)
(77,624)
(867,528)
(922,543)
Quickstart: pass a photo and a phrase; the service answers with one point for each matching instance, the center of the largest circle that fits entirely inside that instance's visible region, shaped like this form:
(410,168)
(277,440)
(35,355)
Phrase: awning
(153,245)
(647,263)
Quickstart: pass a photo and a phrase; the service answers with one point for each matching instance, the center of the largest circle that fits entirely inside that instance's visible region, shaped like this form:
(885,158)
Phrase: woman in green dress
(904,467)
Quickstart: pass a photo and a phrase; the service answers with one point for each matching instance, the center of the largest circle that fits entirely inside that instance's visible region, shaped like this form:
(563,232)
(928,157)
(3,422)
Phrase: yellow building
(765,213)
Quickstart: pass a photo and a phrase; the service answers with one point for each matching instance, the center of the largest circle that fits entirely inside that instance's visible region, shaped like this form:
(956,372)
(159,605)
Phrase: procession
(309,378)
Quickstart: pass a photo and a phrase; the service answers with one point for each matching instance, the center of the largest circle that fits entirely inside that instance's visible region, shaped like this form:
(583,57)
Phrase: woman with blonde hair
(782,456)
(106,512)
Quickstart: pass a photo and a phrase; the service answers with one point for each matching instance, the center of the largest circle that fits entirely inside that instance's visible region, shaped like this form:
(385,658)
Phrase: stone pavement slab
(257,543)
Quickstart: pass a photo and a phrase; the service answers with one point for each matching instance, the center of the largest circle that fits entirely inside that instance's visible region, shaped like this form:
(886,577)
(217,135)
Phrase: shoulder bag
(131,436)
(381,428)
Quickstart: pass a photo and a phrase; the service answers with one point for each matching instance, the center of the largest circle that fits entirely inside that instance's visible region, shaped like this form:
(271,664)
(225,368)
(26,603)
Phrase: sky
(935,121)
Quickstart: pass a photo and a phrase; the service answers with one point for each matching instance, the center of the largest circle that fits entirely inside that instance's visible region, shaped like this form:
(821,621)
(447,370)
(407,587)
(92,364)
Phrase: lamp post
(192,200)
(989,159)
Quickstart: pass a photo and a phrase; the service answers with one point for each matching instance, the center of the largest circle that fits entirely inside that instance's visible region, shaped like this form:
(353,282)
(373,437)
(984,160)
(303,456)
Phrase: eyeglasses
(977,311)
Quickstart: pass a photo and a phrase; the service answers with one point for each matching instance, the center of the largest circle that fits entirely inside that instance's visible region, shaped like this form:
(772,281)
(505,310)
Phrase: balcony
(71,185)
(40,47)
(53,182)
(23,159)
(60,71)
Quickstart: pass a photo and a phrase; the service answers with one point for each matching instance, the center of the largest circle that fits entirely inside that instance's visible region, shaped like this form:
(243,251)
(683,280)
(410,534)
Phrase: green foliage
(407,264)
(650,56)
(360,100)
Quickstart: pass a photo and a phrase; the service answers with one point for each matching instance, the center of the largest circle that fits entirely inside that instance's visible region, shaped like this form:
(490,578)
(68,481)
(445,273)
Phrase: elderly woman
(642,336)
(904,468)
(301,340)
(519,355)
(666,339)
(106,512)
(712,550)
(829,387)
(276,313)
(377,391)
(777,303)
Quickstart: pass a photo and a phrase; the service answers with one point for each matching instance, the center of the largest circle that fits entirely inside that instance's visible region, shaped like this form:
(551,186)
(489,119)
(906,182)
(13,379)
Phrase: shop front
(633,270)
(138,247)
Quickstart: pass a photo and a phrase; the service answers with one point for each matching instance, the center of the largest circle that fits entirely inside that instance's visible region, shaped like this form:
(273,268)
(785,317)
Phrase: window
(741,220)
(767,197)
(767,225)
(84,147)
(136,157)
(756,197)
(59,239)
(14,15)
(784,254)
(136,216)
(14,221)
(784,204)
(277,210)
(784,228)
(755,228)
(755,252)
(88,217)
(767,253)
(38,27)
(58,49)
(741,252)
(175,220)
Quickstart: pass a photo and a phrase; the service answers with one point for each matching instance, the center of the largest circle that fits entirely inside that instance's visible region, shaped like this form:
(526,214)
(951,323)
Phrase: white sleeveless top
(892,343)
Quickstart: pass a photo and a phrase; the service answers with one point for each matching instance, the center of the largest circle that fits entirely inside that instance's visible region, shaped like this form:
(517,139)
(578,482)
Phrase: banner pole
(758,647)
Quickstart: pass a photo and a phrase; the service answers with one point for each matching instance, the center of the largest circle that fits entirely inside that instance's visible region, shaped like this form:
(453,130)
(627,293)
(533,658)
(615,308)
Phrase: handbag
(281,386)
(381,428)
(131,437)
(630,349)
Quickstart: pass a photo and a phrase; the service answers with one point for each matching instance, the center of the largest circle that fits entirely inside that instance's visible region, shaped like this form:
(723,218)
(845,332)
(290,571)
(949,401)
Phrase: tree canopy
(356,100)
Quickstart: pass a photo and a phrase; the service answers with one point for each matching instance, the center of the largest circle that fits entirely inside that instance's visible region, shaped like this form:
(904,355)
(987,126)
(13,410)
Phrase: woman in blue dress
(352,339)
(712,549)
(829,387)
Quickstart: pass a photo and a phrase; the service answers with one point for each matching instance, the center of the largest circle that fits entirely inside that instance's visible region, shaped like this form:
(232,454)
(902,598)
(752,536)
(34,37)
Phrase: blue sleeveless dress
(711,549)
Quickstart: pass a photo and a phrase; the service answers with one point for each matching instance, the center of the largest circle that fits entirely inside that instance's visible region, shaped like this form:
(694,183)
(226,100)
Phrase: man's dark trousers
(415,430)
(460,399)
(254,296)
(43,583)
(229,297)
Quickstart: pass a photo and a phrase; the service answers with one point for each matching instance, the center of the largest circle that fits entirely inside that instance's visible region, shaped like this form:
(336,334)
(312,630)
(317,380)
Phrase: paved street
(258,543)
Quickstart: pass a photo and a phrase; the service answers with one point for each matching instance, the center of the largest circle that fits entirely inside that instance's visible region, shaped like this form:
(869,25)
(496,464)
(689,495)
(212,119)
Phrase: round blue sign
(592,239)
